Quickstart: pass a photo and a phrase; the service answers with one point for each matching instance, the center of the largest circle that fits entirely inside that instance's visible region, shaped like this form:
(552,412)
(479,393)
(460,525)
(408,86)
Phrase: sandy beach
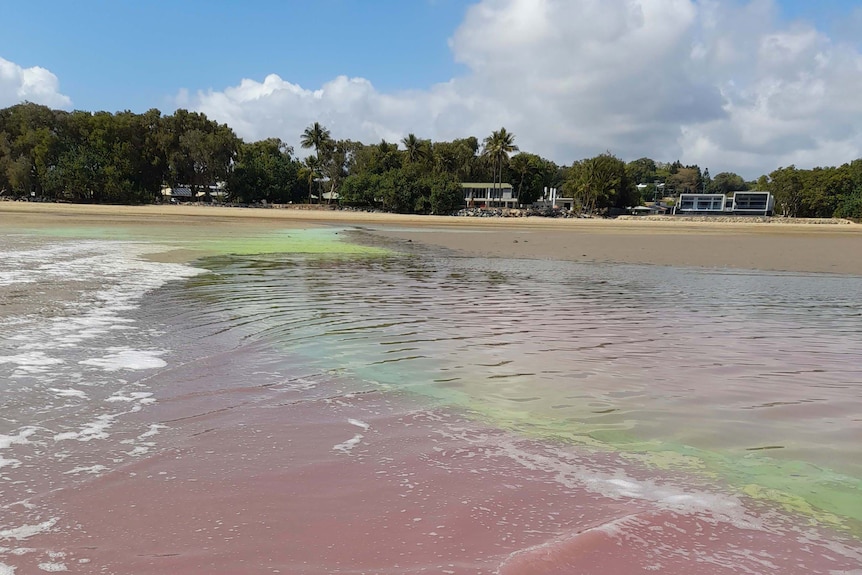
(793,247)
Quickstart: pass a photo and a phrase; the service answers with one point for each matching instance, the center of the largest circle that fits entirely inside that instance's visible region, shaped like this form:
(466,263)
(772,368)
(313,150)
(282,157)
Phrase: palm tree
(497,147)
(388,156)
(312,166)
(317,137)
(524,165)
(416,149)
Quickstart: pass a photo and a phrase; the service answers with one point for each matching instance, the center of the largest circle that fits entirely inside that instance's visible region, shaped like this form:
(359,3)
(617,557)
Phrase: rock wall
(738,219)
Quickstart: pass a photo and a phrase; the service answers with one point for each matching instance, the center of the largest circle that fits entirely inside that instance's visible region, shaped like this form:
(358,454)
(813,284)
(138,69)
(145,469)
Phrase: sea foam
(127,359)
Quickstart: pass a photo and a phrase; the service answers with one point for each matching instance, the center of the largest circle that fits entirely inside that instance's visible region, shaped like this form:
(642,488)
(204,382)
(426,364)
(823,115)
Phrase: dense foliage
(127,158)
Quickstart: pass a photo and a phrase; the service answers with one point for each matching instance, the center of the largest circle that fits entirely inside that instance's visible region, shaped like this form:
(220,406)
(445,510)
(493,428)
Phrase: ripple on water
(639,358)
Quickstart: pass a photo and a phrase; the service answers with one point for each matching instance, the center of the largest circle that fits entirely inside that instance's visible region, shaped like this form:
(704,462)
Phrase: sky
(742,86)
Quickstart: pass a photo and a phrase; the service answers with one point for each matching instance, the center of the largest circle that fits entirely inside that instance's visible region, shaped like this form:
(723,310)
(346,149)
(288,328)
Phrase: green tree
(786,186)
(684,179)
(318,137)
(823,190)
(446,195)
(850,206)
(29,146)
(458,157)
(387,157)
(416,150)
(599,183)
(315,136)
(265,170)
(530,175)
(310,173)
(642,171)
(727,182)
(497,148)
(334,160)
(361,189)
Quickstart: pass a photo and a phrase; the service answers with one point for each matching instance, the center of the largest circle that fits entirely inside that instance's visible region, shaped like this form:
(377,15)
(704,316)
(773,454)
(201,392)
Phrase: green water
(478,336)
(222,241)
(420,325)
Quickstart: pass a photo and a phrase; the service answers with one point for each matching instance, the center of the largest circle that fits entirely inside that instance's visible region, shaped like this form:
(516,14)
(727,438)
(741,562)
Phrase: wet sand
(828,248)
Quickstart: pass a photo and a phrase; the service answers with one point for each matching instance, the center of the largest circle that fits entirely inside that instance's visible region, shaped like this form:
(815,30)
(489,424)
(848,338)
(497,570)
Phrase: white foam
(6,569)
(117,267)
(348,445)
(25,531)
(139,450)
(68,392)
(617,485)
(6,441)
(19,551)
(143,397)
(546,549)
(30,358)
(53,567)
(92,470)
(93,430)
(359,423)
(155,429)
(14,463)
(31,362)
(127,359)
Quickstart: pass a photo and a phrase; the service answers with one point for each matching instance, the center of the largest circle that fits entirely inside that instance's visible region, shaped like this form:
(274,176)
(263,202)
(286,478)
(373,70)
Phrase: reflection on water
(751,377)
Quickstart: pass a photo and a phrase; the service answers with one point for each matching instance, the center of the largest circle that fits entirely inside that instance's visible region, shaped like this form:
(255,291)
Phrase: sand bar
(778,247)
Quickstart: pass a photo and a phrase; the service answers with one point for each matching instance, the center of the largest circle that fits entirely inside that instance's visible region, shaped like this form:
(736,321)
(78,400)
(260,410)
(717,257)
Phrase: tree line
(127,158)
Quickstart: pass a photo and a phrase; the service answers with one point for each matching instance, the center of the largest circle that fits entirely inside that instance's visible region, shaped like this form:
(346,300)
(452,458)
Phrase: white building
(551,200)
(701,204)
(485,195)
(740,203)
(755,203)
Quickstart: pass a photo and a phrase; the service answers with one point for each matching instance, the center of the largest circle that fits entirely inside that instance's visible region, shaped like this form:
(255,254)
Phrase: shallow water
(318,411)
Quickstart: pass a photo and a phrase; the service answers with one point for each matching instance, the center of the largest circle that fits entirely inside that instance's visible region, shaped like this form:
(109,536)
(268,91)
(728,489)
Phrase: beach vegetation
(786,185)
(416,150)
(496,148)
(726,183)
(600,183)
(531,174)
(128,158)
(267,171)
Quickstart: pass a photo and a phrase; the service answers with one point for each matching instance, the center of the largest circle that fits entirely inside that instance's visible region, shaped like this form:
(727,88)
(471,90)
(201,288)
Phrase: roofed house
(485,195)
(184,192)
(179,193)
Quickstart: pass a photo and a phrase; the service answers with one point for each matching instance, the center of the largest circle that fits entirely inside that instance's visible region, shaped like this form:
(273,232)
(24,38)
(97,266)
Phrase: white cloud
(34,84)
(723,84)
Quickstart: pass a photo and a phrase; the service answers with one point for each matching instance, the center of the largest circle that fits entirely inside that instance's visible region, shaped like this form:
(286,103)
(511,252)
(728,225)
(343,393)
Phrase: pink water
(365,483)
(424,415)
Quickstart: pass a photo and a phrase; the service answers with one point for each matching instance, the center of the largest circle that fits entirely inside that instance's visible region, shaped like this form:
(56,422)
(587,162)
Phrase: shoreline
(789,247)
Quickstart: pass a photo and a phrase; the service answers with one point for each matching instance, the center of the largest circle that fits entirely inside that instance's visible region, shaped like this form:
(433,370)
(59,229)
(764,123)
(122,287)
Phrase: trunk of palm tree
(502,159)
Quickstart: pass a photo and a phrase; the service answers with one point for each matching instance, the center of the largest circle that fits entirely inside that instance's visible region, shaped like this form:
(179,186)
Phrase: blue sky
(733,85)
(113,55)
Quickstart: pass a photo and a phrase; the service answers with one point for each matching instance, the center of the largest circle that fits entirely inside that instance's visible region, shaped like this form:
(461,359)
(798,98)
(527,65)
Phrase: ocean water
(320,401)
